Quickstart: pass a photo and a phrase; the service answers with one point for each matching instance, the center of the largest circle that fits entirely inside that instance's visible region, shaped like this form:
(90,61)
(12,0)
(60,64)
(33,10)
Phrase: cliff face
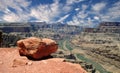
(12,62)
(14,27)
(105,27)
(110,27)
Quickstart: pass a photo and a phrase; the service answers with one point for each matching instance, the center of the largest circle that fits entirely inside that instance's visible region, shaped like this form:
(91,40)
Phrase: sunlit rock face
(37,48)
(12,62)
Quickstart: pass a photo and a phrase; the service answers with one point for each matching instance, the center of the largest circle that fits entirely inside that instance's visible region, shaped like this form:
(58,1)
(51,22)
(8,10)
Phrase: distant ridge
(105,27)
(110,24)
(35,26)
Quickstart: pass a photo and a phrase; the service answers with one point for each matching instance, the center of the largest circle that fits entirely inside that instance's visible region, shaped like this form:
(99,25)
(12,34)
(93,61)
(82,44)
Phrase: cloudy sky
(72,12)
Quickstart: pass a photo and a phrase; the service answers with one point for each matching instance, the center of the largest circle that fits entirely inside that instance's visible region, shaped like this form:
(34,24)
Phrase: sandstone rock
(19,62)
(1,62)
(29,63)
(37,48)
(53,65)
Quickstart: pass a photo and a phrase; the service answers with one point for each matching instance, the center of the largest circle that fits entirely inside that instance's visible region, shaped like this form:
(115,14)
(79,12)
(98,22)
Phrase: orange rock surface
(12,62)
(37,48)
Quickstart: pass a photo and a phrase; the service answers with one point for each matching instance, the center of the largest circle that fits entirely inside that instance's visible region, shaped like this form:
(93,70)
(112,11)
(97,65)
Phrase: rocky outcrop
(37,48)
(12,62)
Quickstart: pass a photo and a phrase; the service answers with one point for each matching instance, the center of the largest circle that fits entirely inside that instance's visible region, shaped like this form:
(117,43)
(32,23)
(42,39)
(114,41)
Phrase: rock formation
(105,27)
(37,48)
(15,27)
(12,62)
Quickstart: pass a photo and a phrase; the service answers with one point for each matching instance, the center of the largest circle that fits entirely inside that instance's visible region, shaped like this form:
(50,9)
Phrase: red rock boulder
(37,48)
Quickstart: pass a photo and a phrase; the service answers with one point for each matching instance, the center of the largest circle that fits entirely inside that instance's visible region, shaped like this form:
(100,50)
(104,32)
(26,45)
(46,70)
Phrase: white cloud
(41,15)
(15,4)
(112,14)
(69,2)
(7,11)
(82,15)
(96,18)
(74,21)
(18,6)
(66,8)
(99,6)
(50,12)
(63,18)
(81,22)
(11,17)
(89,21)
(79,18)
(46,12)
(42,12)
(15,17)
(114,11)
(77,9)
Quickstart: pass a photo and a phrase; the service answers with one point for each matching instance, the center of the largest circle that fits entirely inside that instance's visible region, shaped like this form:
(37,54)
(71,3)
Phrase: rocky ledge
(12,62)
(38,50)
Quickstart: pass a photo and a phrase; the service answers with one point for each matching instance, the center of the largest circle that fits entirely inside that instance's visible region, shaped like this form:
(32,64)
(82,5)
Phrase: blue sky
(72,12)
